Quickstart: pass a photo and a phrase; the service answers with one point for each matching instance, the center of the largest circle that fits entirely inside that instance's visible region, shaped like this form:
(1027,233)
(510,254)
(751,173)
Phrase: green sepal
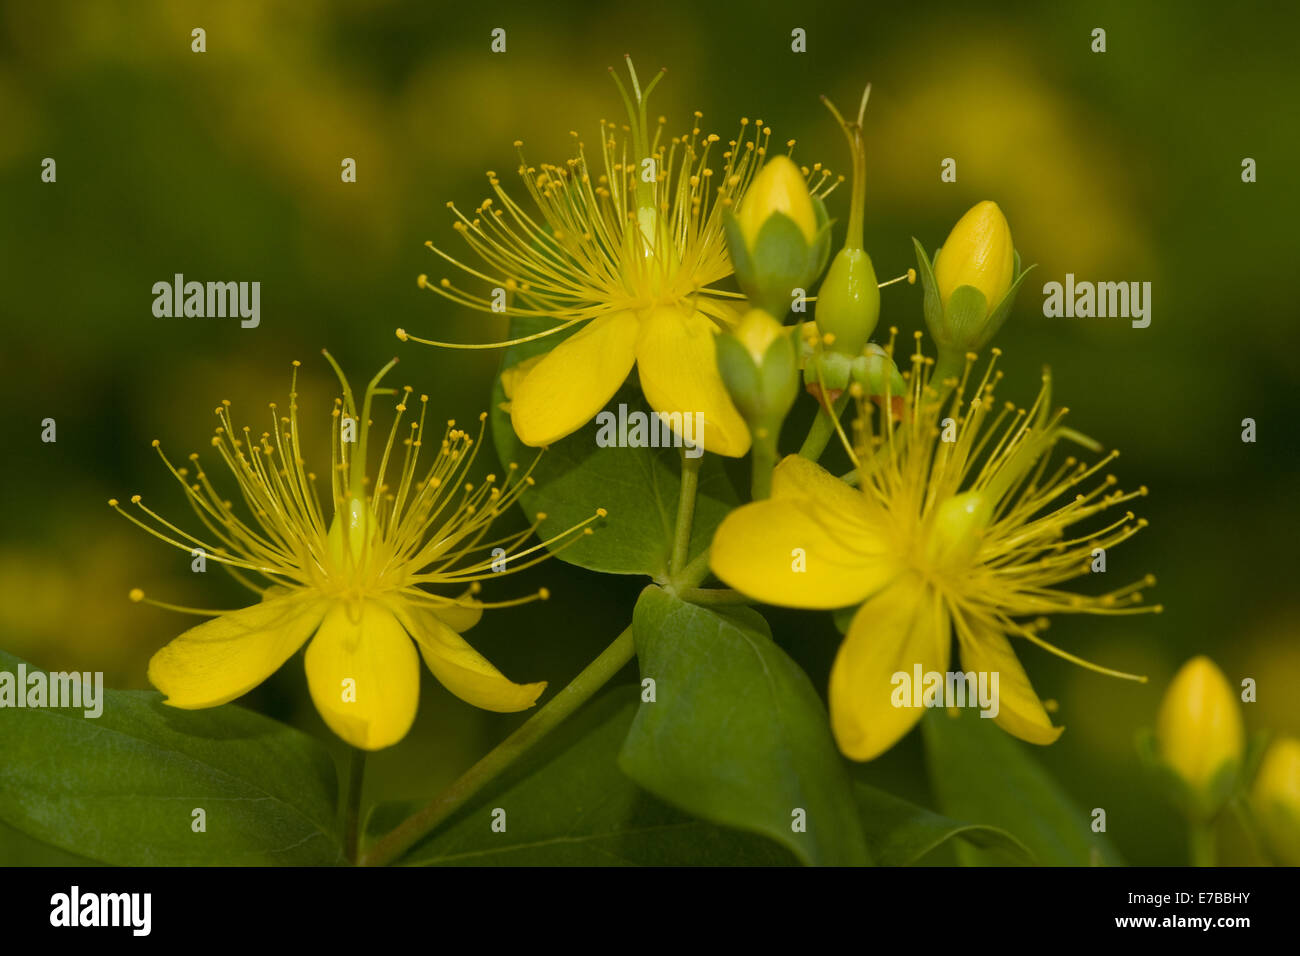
(741,263)
(763,392)
(963,319)
(780,260)
(1200,806)
(819,252)
(739,373)
(836,370)
(1003,309)
(870,369)
(932,305)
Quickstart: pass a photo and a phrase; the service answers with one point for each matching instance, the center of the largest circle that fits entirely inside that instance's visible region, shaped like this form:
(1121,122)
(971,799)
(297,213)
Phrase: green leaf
(121,788)
(980,772)
(900,833)
(637,486)
(571,805)
(737,734)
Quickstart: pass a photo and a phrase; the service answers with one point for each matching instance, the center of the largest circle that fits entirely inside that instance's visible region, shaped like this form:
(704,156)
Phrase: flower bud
(1199,736)
(848,303)
(978,253)
(780,237)
(973,280)
(826,374)
(758,362)
(779,187)
(1275,799)
(876,372)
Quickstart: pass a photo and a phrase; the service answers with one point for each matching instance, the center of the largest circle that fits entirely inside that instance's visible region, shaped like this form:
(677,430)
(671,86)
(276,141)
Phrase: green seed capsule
(848,304)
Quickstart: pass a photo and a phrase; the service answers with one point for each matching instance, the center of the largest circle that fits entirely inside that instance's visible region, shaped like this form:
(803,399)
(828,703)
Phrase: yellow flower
(978,253)
(780,187)
(1276,799)
(357,586)
(956,524)
(1199,732)
(625,247)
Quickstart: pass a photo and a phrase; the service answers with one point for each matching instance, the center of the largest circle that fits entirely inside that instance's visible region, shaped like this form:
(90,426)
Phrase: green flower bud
(876,372)
(779,239)
(972,282)
(848,303)
(758,362)
(827,374)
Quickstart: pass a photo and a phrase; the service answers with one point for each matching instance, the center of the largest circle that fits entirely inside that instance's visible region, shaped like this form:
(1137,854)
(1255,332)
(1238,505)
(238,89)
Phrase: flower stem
(1246,820)
(695,573)
(763,461)
(823,427)
(685,512)
(352,803)
(950,364)
(581,689)
(1201,843)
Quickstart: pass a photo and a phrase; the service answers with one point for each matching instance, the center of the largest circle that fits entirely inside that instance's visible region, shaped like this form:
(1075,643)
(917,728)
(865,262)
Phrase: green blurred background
(225,166)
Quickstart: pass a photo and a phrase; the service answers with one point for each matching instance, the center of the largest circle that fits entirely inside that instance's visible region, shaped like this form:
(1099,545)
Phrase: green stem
(352,803)
(1246,820)
(581,689)
(763,461)
(694,574)
(1201,843)
(823,427)
(950,364)
(685,512)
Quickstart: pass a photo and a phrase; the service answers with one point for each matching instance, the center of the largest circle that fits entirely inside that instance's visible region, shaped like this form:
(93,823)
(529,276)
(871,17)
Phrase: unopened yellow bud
(1276,800)
(779,187)
(1199,733)
(759,364)
(756,331)
(978,253)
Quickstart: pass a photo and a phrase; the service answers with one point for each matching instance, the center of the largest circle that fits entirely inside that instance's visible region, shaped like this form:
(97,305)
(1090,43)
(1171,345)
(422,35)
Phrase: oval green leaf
(122,788)
(737,735)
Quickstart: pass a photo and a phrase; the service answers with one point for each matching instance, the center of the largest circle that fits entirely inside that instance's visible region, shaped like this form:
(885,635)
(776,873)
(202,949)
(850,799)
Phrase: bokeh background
(225,166)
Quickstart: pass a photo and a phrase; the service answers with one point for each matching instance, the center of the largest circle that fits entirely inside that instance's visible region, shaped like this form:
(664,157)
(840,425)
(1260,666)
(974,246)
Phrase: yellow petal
(461,669)
(574,380)
(789,552)
(1199,729)
(797,476)
(1020,712)
(677,361)
(461,616)
(364,674)
(902,626)
(228,656)
(512,376)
